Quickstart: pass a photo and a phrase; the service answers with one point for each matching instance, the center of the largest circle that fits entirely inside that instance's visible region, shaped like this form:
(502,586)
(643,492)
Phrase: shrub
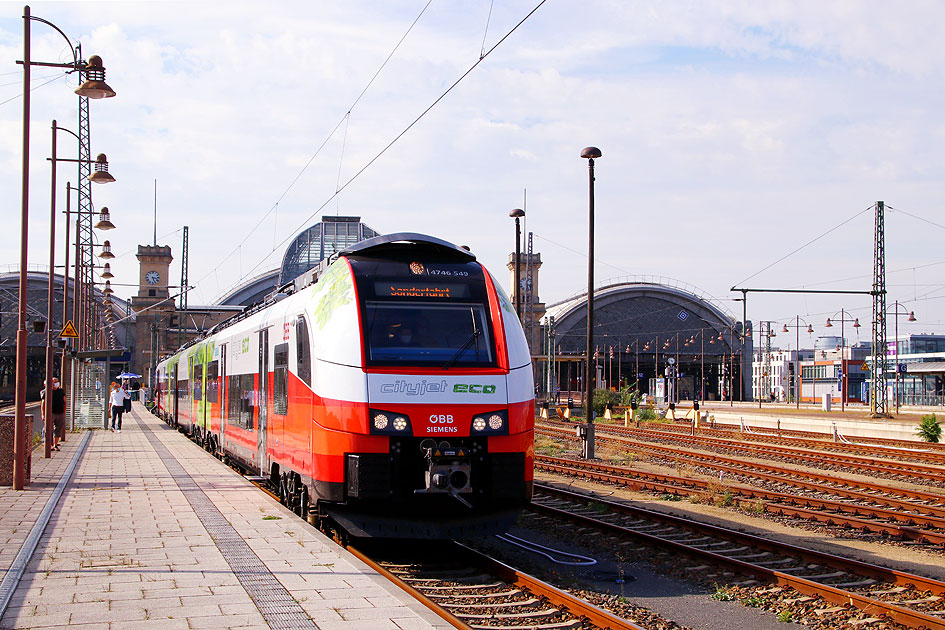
(929,429)
(646,414)
(602,397)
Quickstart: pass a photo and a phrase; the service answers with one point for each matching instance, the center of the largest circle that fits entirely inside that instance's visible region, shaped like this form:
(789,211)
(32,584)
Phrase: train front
(450,398)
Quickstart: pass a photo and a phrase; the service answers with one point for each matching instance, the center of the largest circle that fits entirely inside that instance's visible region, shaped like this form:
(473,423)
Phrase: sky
(743,143)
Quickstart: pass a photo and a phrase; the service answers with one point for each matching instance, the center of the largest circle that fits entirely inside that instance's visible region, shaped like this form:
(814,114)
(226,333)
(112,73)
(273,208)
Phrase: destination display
(433,290)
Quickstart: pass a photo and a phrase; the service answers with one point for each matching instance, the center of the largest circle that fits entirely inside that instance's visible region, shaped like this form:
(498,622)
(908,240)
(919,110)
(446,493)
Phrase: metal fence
(90,389)
(922,400)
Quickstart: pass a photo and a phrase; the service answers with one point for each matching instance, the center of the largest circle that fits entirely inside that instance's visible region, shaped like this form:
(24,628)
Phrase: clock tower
(152,307)
(154,263)
(532,308)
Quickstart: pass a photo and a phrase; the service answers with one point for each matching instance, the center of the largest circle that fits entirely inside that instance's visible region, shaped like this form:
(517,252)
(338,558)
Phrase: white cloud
(732,132)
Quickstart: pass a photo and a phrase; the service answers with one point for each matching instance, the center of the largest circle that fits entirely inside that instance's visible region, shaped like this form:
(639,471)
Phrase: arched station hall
(639,326)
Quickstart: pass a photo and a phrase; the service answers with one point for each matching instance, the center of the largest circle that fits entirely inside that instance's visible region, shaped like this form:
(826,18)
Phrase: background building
(642,328)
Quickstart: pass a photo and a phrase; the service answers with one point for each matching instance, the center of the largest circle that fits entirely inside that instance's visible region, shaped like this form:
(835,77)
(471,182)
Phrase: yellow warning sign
(69,330)
(865,367)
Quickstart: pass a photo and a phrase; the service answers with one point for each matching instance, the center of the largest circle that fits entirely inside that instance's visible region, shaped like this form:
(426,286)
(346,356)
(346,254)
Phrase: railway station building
(657,335)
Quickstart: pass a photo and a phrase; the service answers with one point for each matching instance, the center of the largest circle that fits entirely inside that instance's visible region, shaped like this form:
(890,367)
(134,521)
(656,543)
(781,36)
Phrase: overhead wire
(918,218)
(398,136)
(808,243)
(321,146)
(32,89)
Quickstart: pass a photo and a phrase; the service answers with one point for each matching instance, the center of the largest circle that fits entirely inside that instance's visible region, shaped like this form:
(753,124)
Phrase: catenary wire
(395,139)
(318,150)
(909,214)
(13,98)
(810,242)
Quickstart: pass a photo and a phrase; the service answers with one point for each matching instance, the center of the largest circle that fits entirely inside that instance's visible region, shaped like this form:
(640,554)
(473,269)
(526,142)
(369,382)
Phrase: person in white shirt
(117,399)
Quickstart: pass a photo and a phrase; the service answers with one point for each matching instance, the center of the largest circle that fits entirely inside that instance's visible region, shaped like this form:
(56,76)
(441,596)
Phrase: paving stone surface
(124,548)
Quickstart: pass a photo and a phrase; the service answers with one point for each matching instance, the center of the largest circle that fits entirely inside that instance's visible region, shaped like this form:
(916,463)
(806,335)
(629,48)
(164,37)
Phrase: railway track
(911,600)
(933,453)
(838,513)
(473,590)
(899,470)
(927,507)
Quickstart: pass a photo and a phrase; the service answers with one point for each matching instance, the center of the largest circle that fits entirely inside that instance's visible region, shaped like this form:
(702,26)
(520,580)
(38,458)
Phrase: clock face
(152,277)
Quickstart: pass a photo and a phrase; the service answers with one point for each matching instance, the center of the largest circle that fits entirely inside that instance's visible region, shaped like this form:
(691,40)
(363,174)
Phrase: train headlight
(389,423)
(380,421)
(491,423)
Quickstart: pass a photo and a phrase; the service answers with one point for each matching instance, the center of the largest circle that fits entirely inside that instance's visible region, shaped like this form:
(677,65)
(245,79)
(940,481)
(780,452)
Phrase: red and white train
(389,394)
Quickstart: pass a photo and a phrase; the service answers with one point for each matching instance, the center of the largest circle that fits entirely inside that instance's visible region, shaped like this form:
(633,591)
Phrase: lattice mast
(86,253)
(764,379)
(878,404)
(182,316)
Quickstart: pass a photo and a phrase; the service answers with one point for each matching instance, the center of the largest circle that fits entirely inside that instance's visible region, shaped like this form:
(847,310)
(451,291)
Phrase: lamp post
(590,154)
(911,319)
(843,344)
(517,214)
(94,87)
(797,348)
(100,176)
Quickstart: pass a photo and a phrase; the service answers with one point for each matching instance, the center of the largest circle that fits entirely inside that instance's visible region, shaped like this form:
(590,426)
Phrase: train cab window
(280,389)
(303,352)
(213,383)
(428,334)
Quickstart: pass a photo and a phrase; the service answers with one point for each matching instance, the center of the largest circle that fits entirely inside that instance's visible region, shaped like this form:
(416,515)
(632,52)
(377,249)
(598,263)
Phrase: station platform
(853,422)
(146,530)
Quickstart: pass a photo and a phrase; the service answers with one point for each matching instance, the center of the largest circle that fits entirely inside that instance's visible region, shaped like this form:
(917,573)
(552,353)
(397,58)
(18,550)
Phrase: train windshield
(429,314)
(418,333)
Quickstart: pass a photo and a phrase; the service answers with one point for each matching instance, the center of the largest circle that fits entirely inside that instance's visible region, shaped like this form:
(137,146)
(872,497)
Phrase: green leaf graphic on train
(335,289)
(203,355)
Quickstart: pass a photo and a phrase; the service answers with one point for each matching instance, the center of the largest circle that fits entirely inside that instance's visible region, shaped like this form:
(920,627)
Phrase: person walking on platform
(58,411)
(127,404)
(118,405)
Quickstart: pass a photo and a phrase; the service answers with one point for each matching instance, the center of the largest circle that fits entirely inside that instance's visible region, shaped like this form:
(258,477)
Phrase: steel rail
(928,450)
(742,538)
(556,597)
(774,501)
(576,606)
(438,610)
(935,514)
(913,619)
(890,466)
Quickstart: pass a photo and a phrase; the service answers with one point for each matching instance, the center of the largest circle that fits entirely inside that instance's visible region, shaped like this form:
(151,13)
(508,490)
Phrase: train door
(223,391)
(261,446)
(172,391)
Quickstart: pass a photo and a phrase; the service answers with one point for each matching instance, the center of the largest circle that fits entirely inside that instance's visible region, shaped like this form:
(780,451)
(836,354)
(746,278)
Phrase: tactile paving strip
(278,607)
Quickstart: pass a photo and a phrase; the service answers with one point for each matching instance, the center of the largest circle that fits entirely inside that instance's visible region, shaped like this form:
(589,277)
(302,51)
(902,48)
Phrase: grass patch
(272,518)
(547,446)
(721,594)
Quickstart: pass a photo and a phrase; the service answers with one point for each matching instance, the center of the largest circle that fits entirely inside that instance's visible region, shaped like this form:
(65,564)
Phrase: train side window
(198,382)
(213,384)
(303,354)
(240,400)
(280,389)
(247,400)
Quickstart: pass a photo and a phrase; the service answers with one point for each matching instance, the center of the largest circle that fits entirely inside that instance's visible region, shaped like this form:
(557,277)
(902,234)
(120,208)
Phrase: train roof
(404,241)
